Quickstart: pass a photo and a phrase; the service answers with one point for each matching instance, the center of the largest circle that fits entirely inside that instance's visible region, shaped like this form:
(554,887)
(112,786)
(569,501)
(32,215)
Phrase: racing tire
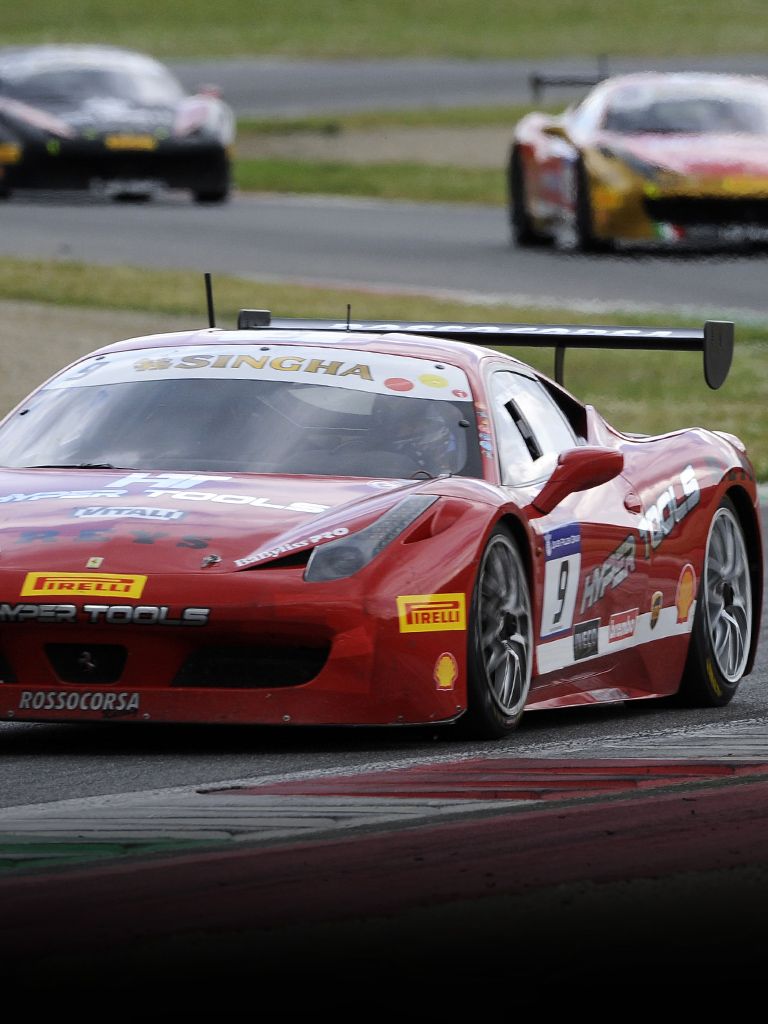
(521,227)
(722,626)
(584,221)
(212,197)
(499,641)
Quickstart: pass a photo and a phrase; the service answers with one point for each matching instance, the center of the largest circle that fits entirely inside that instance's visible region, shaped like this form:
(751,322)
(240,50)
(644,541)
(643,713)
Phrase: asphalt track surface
(363,246)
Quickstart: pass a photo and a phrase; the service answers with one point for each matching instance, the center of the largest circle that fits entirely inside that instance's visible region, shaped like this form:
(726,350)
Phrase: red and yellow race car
(309,522)
(660,158)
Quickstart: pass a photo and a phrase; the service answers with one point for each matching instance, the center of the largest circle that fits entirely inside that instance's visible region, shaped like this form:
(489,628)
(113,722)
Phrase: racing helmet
(424,430)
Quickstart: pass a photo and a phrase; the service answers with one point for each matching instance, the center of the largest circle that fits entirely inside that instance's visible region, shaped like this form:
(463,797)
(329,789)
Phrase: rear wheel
(521,226)
(500,654)
(722,627)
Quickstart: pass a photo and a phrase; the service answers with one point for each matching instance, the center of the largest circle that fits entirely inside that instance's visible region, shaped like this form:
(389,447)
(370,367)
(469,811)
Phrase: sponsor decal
(686,592)
(110,702)
(446,671)
(585,639)
(431,613)
(95,562)
(155,492)
(298,363)
(614,570)
(373,372)
(621,625)
(39,584)
(281,549)
(562,553)
(115,615)
(618,332)
(94,536)
(657,602)
(670,508)
(52,495)
(116,512)
(308,507)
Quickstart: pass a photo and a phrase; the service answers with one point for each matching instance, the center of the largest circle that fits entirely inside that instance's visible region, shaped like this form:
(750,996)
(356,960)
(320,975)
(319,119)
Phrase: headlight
(342,558)
(642,167)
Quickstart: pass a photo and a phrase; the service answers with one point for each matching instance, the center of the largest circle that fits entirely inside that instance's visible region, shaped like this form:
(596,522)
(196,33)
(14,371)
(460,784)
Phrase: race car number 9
(562,549)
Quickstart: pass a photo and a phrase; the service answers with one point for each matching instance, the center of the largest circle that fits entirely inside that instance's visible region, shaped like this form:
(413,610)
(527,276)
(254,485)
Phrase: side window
(530,429)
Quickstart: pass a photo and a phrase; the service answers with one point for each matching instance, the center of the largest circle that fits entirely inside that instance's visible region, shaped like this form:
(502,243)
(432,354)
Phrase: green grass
(396,180)
(398,28)
(376,120)
(625,388)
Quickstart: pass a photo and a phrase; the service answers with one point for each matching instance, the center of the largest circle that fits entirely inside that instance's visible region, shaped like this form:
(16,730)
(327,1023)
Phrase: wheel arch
(522,539)
(749,523)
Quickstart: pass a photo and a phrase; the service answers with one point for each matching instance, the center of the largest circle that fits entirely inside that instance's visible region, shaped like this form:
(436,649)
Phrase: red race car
(661,158)
(307,522)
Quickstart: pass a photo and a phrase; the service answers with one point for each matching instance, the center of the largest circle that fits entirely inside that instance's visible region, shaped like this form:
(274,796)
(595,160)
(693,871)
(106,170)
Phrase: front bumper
(202,166)
(645,213)
(260,647)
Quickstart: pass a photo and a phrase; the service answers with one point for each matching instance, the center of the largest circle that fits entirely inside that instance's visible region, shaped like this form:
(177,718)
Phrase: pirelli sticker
(431,613)
(46,584)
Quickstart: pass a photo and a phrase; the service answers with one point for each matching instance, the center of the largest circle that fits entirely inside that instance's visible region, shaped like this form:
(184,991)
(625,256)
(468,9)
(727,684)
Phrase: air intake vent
(90,664)
(252,667)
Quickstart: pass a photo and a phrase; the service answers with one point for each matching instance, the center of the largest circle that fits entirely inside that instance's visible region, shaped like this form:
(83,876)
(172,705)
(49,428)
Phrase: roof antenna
(349,313)
(209,298)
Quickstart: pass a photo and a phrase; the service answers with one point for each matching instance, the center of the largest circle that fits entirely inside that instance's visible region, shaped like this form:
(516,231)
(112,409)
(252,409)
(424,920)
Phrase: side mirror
(578,469)
(556,130)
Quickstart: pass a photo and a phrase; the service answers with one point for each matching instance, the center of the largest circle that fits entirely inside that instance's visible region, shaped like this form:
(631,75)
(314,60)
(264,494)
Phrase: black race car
(110,121)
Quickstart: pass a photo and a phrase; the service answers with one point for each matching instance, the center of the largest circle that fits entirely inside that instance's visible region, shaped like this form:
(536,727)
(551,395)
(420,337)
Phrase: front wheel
(500,654)
(584,219)
(722,626)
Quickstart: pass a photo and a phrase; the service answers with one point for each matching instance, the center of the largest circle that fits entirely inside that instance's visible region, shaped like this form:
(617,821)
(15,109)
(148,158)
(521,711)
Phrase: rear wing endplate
(715,340)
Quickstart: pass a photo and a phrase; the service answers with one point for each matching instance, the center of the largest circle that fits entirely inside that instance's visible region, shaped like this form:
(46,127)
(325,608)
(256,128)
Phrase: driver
(421,430)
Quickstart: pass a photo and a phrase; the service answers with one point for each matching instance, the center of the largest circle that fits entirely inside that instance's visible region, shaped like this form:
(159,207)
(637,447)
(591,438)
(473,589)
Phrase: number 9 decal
(561,578)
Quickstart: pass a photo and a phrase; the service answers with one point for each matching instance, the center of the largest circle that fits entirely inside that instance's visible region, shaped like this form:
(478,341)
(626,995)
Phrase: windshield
(62,86)
(687,114)
(234,425)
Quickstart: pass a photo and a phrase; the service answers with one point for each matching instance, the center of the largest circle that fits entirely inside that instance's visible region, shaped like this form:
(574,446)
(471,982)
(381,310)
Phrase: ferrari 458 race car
(309,522)
(661,158)
(109,120)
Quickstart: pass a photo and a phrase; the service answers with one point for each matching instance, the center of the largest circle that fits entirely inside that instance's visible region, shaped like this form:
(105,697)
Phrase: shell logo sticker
(656,602)
(446,671)
(431,613)
(46,584)
(686,589)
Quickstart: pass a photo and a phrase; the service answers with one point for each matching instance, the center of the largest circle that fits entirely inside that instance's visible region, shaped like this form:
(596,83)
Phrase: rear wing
(539,82)
(714,340)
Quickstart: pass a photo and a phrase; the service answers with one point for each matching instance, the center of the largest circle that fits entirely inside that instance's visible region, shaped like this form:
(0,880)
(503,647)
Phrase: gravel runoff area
(485,147)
